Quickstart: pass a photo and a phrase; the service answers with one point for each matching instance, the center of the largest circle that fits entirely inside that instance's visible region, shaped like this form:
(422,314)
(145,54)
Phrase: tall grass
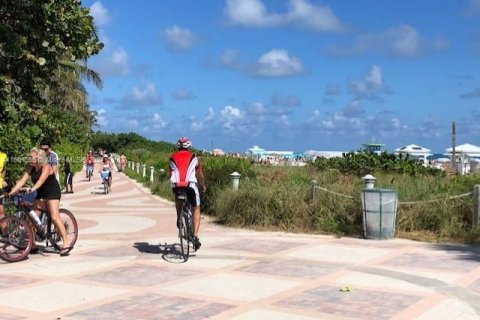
(284,199)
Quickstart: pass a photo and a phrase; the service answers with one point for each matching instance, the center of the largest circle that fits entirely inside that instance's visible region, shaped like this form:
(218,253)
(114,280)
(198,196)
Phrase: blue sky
(290,74)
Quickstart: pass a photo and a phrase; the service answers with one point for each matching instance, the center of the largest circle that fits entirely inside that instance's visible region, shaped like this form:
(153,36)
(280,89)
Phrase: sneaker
(196,243)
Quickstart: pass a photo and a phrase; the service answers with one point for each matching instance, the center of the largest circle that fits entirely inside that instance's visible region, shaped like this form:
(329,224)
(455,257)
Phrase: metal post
(369,181)
(476,205)
(235,180)
(144,171)
(151,173)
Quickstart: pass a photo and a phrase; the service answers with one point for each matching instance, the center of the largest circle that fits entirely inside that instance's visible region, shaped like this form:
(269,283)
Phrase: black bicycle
(185,225)
(16,238)
(22,230)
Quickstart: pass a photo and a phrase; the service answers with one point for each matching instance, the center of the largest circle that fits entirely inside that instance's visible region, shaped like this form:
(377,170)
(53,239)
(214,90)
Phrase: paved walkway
(124,266)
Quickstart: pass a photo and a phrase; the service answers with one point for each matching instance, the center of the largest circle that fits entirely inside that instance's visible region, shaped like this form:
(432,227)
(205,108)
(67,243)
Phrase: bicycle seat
(181,195)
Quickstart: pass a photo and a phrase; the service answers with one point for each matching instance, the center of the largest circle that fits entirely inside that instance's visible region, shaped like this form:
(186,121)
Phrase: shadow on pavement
(170,252)
(469,252)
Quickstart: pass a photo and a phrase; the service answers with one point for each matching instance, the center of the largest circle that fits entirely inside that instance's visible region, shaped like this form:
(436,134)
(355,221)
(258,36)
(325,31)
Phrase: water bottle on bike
(40,224)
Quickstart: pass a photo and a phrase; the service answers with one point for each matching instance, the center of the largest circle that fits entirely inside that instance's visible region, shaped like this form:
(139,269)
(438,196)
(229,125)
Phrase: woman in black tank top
(48,190)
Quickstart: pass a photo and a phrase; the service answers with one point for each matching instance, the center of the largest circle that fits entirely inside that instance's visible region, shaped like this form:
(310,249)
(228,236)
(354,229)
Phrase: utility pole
(454,158)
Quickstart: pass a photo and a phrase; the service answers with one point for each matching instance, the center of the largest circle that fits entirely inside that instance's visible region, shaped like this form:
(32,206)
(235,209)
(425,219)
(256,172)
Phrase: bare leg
(53,208)
(196,220)
(178,206)
(2,223)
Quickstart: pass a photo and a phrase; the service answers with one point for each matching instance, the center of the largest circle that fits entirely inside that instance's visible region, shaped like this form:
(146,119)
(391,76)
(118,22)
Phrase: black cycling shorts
(193,195)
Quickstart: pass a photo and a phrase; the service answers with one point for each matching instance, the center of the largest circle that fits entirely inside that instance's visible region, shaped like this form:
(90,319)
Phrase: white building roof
(413,149)
(466,148)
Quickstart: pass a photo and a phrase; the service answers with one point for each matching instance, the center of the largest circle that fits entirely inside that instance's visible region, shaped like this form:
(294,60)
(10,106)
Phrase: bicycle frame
(185,226)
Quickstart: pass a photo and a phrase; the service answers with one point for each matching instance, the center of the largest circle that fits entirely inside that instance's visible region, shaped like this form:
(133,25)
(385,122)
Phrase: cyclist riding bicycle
(186,174)
(107,170)
(48,191)
(89,161)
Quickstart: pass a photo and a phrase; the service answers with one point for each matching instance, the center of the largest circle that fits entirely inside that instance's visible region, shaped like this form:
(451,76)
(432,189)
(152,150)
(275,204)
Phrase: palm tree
(68,91)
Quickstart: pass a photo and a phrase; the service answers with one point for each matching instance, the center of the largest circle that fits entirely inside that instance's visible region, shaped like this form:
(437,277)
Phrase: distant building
(377,148)
(218,152)
(313,154)
(258,153)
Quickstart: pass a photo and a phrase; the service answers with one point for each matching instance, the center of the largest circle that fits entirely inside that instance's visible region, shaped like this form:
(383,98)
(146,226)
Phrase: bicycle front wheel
(71,228)
(16,240)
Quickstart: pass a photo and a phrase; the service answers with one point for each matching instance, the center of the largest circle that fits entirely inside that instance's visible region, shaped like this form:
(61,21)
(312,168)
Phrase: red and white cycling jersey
(90,160)
(183,166)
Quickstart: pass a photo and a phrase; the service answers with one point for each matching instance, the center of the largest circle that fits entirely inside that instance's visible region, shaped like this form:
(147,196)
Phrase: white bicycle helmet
(184,143)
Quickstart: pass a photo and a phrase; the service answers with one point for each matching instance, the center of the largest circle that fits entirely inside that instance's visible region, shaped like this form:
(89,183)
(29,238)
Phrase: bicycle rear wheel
(16,240)
(71,228)
(184,235)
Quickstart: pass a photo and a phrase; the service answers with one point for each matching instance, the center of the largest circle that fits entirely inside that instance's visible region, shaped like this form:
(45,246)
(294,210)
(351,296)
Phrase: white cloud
(353,110)
(128,123)
(300,13)
(257,109)
(277,63)
(314,117)
(102,119)
(230,116)
(230,58)
(283,120)
(332,90)
(113,63)
(402,41)
(142,96)
(250,13)
(370,86)
(158,122)
(178,39)
(183,94)
(285,101)
(198,125)
(99,13)
(471,95)
(312,17)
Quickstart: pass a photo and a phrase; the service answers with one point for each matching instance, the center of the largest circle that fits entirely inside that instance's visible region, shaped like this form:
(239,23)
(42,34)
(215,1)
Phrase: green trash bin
(379,213)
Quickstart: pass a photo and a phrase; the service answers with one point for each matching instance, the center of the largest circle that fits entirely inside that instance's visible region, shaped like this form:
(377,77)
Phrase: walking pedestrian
(68,180)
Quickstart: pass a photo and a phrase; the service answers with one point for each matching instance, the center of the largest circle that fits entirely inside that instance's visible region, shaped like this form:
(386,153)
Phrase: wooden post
(476,205)
(313,185)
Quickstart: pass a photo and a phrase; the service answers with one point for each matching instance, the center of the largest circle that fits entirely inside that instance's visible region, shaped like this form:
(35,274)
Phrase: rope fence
(475,194)
(400,202)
